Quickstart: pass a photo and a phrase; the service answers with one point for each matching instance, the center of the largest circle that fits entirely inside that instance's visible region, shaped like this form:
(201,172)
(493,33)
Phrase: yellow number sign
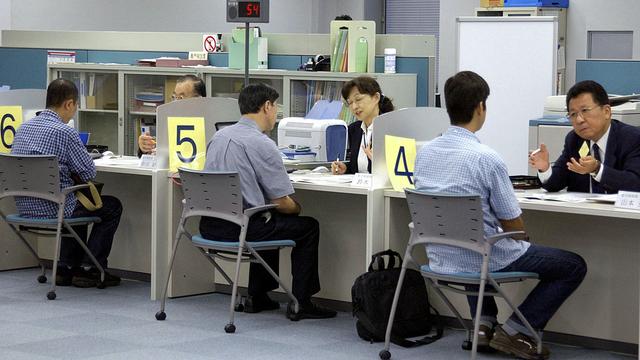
(186,143)
(400,153)
(10,121)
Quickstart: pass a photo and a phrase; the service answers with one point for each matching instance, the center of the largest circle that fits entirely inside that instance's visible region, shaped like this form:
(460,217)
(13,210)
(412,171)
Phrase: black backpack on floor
(372,295)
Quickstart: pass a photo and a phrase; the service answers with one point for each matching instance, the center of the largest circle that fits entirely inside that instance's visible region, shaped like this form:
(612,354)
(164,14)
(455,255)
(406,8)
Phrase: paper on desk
(570,197)
(603,198)
(315,178)
(117,160)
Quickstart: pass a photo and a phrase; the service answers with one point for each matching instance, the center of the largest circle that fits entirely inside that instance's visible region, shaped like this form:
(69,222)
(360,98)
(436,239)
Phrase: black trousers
(305,231)
(101,237)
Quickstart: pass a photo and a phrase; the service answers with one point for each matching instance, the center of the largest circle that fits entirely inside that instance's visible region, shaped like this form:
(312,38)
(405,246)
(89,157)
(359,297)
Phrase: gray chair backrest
(447,219)
(30,175)
(213,194)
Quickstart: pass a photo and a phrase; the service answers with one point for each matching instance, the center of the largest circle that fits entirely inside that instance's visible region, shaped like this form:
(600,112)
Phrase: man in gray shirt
(246,149)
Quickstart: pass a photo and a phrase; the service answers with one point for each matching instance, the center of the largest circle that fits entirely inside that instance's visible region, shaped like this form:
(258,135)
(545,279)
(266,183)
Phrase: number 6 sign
(186,143)
(10,121)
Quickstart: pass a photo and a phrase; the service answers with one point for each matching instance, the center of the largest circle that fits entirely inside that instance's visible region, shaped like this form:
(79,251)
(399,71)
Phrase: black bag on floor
(372,295)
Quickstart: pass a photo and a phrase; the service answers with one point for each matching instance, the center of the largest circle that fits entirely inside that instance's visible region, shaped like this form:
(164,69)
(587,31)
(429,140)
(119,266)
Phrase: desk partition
(419,123)
(13,254)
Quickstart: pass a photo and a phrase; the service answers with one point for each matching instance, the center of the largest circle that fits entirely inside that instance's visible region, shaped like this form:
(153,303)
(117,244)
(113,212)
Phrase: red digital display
(249,9)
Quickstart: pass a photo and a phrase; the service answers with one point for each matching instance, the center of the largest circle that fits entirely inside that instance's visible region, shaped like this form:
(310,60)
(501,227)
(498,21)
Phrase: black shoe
(64,275)
(91,278)
(485,334)
(309,311)
(256,304)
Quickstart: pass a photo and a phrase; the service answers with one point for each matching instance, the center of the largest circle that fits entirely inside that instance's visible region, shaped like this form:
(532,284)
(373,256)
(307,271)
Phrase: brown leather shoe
(519,345)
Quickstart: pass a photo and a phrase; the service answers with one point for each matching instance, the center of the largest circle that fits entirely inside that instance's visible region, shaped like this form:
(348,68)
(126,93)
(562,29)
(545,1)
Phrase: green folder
(362,52)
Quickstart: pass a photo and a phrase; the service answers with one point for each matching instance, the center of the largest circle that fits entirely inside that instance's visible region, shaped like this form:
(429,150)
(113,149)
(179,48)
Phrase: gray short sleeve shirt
(243,148)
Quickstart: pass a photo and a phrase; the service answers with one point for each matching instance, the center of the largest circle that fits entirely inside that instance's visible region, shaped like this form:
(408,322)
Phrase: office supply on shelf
(258,49)
(352,45)
(325,138)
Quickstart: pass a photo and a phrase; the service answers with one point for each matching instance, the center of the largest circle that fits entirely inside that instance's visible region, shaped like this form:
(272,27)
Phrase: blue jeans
(560,273)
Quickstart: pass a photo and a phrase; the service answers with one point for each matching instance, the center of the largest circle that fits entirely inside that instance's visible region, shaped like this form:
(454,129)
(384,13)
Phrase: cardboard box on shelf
(106,96)
(169,86)
(491,3)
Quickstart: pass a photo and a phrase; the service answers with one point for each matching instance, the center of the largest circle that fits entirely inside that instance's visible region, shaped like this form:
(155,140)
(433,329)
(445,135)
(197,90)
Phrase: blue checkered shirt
(458,163)
(46,134)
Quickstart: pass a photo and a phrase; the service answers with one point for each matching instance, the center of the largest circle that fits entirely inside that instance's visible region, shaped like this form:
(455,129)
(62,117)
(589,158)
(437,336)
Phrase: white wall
(287,16)
(590,15)
(449,11)
(582,16)
(5,16)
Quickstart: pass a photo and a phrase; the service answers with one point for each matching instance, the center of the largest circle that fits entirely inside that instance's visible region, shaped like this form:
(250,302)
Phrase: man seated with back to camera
(187,86)
(458,163)
(49,134)
(613,163)
(245,148)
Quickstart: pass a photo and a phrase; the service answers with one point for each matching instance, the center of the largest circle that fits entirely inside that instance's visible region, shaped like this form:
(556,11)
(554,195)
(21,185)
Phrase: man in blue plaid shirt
(49,134)
(458,163)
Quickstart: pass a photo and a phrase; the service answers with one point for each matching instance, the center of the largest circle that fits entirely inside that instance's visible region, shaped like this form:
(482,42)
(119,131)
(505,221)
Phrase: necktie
(595,186)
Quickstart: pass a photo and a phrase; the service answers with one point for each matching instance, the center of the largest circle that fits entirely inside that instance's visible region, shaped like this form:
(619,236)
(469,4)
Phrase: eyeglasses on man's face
(583,113)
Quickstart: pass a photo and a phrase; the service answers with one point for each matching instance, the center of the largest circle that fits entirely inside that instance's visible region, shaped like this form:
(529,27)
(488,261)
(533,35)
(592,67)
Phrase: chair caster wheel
(467,345)
(239,307)
(51,295)
(161,315)
(42,279)
(385,355)
(229,328)
(101,285)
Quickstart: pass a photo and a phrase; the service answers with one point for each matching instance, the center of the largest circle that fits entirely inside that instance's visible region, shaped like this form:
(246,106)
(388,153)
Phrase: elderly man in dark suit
(600,155)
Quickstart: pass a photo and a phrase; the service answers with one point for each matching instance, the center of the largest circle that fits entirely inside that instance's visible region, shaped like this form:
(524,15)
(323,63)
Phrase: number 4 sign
(186,143)
(10,121)
(400,154)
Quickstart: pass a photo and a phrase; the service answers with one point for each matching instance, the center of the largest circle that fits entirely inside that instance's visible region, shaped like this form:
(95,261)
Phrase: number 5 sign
(186,143)
(400,154)
(10,121)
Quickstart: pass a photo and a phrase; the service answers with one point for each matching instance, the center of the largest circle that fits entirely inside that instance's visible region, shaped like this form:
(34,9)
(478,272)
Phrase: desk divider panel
(419,123)
(214,110)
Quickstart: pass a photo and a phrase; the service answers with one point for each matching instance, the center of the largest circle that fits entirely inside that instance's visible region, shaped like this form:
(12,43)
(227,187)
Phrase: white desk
(605,306)
(143,193)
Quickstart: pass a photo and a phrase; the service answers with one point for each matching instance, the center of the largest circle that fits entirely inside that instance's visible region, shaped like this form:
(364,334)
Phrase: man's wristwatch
(595,172)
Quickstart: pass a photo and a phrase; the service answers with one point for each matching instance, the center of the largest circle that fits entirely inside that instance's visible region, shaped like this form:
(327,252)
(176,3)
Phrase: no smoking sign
(209,43)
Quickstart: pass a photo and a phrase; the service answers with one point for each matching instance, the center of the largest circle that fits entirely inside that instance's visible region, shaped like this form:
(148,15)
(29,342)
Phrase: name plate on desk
(628,200)
(147,161)
(362,180)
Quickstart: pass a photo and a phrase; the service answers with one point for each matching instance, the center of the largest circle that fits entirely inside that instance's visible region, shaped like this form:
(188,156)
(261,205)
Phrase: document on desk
(311,178)
(603,198)
(571,197)
(118,160)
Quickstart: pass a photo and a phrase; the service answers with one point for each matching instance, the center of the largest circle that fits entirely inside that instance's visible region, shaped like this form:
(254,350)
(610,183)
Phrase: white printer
(312,139)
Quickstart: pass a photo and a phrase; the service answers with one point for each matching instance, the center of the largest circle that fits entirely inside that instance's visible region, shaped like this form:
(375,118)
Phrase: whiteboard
(517,58)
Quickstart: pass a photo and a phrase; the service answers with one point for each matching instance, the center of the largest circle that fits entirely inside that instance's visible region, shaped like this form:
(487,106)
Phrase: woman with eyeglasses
(366,101)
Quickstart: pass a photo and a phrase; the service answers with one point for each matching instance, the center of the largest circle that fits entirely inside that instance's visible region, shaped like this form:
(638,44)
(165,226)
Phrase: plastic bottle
(390,60)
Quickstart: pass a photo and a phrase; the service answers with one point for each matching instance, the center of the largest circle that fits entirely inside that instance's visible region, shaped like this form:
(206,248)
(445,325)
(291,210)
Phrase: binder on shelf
(353,46)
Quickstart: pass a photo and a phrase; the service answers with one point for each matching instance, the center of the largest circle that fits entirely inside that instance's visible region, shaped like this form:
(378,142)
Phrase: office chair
(218,195)
(38,176)
(456,220)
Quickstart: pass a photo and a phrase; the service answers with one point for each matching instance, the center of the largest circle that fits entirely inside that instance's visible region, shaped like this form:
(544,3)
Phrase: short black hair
(253,96)
(59,91)
(462,93)
(598,93)
(367,85)
(198,84)
(343,17)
